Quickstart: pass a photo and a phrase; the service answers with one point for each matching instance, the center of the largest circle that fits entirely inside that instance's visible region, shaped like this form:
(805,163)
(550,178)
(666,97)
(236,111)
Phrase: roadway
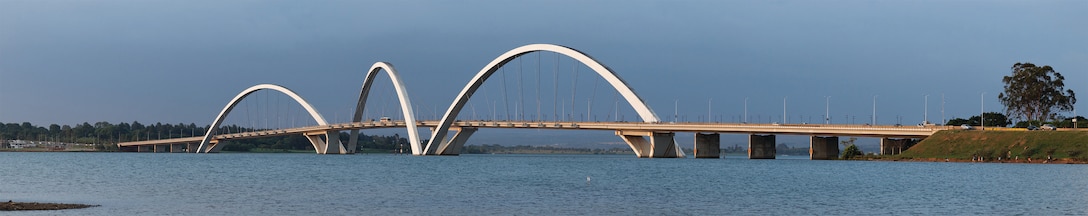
(789,129)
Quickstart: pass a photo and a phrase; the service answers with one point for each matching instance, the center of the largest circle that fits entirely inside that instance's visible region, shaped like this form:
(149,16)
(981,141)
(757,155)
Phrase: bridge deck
(798,129)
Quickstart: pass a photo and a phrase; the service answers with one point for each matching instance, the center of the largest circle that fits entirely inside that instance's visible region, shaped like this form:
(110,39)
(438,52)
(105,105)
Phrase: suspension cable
(505,99)
(589,111)
(555,88)
(266,110)
(574,88)
(276,114)
(616,105)
(247,112)
(487,99)
(538,86)
(521,92)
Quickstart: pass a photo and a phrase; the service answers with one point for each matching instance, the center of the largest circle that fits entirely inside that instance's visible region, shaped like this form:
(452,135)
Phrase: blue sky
(69,62)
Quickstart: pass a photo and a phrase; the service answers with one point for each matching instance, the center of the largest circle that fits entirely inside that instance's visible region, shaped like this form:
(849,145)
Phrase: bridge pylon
(330,144)
(659,144)
(453,145)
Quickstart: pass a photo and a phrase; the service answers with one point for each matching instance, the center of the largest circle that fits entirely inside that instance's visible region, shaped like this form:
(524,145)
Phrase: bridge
(650,138)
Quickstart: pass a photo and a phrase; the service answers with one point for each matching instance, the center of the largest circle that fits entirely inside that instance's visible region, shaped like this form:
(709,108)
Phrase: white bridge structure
(650,138)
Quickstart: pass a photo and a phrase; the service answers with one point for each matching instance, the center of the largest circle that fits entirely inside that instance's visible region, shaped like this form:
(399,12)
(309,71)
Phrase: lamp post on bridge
(827,110)
(925,115)
(874,109)
(746,110)
(675,110)
(709,118)
(784,109)
(982,112)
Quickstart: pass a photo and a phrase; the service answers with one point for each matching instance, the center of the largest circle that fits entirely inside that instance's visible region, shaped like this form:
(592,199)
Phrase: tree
(960,121)
(993,119)
(1035,93)
(851,151)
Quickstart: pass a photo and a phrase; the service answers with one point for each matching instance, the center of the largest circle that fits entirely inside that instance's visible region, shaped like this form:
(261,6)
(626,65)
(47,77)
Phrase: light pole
(745,110)
(708,117)
(827,109)
(784,109)
(925,115)
(874,109)
(982,112)
(675,110)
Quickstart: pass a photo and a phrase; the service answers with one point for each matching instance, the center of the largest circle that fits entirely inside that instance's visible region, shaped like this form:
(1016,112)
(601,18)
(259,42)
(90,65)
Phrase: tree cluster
(993,119)
(1035,93)
(851,151)
(107,135)
(98,133)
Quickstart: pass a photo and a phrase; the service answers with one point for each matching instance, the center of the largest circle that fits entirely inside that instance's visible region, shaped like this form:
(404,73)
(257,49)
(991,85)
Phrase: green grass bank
(964,145)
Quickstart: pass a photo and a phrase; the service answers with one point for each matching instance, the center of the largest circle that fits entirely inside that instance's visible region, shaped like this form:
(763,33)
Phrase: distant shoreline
(35,206)
(1019,161)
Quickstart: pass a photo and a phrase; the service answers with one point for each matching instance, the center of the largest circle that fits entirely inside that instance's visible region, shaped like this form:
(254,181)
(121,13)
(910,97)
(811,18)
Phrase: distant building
(18,144)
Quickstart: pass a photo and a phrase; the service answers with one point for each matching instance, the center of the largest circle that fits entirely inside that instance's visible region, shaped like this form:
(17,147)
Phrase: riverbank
(1022,161)
(30,206)
(1001,146)
(47,150)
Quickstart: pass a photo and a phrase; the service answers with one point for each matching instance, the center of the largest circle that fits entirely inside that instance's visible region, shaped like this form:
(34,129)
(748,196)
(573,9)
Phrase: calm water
(307,184)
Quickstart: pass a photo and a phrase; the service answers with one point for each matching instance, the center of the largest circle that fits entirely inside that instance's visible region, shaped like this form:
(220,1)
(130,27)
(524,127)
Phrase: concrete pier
(659,144)
(457,142)
(663,144)
(162,148)
(175,148)
(325,142)
(890,146)
(761,147)
(707,145)
(823,148)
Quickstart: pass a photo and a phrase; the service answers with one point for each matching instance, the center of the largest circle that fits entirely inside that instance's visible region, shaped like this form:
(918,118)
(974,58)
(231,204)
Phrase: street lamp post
(675,110)
(784,109)
(709,118)
(982,112)
(745,110)
(874,109)
(925,115)
(827,109)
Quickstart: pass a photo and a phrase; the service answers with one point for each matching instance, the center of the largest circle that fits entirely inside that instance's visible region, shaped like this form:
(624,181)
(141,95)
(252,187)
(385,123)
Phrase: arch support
(332,145)
(659,144)
(437,145)
(405,106)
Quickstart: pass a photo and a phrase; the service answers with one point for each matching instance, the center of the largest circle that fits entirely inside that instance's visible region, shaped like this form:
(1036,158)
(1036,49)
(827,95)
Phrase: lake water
(308,184)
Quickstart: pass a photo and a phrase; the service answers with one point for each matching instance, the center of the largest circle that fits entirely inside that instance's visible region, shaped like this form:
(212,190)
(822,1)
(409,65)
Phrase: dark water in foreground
(307,184)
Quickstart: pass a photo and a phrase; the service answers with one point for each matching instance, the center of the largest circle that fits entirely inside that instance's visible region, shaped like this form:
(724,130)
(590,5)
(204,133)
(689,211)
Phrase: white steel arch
(405,105)
(459,102)
(204,144)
